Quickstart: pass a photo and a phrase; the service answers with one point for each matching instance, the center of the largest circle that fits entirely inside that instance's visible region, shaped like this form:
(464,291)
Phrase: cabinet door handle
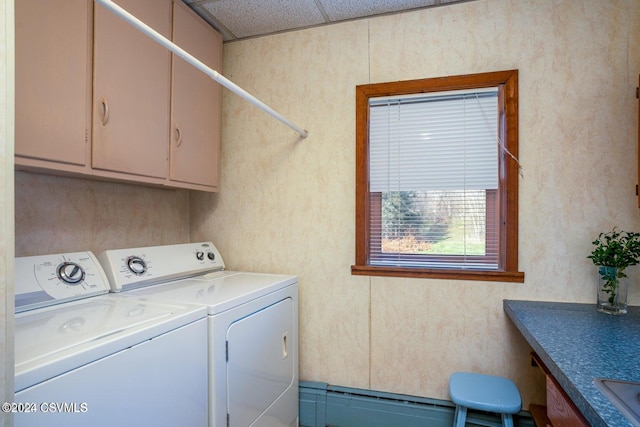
(105,111)
(178,137)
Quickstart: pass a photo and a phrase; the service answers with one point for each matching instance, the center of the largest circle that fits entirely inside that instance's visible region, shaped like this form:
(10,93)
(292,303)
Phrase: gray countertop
(578,344)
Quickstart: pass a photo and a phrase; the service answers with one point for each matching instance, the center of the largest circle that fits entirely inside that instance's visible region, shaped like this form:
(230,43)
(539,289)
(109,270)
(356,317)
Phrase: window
(437,178)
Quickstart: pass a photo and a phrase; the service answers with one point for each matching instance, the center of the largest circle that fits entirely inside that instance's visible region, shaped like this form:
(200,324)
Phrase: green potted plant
(613,253)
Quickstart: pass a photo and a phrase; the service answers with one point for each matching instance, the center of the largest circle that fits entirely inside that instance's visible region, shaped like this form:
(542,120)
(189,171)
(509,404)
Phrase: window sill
(423,273)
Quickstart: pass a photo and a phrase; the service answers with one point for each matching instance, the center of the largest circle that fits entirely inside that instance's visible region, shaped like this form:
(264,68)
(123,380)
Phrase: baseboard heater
(324,405)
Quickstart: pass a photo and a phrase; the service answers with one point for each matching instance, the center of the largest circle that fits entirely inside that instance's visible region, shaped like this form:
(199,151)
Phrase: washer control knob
(211,256)
(200,255)
(137,265)
(70,273)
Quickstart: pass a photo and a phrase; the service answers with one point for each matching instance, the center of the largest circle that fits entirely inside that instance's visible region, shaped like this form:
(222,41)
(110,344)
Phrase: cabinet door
(560,409)
(53,83)
(196,99)
(131,91)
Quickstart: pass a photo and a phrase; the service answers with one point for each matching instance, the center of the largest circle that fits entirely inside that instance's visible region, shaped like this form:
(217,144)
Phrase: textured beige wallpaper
(58,214)
(288,205)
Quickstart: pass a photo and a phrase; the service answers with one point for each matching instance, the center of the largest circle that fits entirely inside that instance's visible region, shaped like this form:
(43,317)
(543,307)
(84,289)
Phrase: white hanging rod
(153,34)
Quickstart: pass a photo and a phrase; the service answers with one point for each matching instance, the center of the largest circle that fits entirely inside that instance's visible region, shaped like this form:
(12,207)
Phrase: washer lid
(56,339)
(219,291)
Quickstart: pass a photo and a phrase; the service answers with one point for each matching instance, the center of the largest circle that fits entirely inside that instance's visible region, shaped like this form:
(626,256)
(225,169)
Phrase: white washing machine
(252,326)
(84,357)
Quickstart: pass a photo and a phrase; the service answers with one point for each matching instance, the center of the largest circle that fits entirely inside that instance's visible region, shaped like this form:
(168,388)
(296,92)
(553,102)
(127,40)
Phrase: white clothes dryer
(84,357)
(252,326)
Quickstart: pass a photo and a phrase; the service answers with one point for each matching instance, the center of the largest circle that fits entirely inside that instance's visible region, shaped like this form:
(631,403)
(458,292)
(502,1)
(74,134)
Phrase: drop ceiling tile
(238,19)
(338,10)
(211,20)
(246,18)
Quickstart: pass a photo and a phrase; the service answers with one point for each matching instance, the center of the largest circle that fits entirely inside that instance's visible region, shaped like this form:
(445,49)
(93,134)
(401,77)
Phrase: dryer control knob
(137,265)
(70,273)
(200,255)
(211,256)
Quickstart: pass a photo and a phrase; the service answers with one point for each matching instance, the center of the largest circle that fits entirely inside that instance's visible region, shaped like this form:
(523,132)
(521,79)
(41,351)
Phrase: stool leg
(460,418)
(507,420)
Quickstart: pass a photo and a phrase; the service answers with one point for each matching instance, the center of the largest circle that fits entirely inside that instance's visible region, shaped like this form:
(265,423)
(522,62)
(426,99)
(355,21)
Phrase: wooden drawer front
(560,410)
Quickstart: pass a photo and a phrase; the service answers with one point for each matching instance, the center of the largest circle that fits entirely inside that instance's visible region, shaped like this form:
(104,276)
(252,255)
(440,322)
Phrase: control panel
(128,269)
(52,279)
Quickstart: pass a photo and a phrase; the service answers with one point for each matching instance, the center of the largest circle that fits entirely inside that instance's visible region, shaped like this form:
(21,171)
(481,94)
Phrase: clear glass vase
(612,290)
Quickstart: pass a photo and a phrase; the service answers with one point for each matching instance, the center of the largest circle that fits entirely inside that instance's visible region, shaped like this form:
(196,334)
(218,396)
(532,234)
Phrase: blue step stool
(485,393)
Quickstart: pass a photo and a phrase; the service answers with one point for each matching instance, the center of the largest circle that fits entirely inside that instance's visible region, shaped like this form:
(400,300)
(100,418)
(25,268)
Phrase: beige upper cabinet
(53,84)
(196,99)
(97,98)
(132,80)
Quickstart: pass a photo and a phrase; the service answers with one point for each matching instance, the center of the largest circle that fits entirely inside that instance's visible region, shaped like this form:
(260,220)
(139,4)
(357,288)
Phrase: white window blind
(439,141)
(434,160)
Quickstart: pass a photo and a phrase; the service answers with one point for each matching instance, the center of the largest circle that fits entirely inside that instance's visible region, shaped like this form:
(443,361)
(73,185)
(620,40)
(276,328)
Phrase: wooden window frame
(506,220)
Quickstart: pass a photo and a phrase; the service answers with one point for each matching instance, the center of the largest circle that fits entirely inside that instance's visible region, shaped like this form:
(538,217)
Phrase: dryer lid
(220,291)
